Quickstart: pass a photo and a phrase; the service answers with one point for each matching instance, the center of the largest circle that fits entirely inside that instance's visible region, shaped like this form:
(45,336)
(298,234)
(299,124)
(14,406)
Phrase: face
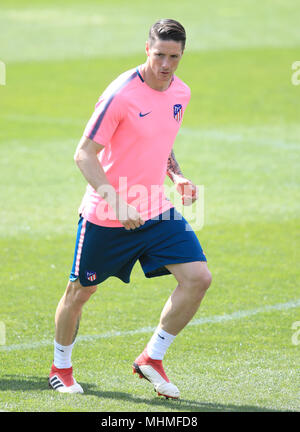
(164,57)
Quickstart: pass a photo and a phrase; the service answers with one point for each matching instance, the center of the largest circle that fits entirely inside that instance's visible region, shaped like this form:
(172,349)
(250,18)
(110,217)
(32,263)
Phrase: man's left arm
(185,187)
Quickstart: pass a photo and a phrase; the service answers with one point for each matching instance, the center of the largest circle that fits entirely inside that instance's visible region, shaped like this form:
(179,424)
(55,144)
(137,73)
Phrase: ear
(147,48)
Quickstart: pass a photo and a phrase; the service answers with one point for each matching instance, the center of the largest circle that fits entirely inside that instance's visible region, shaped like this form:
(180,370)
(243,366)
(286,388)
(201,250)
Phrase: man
(125,152)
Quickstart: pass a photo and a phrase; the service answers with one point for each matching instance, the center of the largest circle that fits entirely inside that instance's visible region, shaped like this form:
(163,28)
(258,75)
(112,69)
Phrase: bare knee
(77,294)
(198,282)
(206,279)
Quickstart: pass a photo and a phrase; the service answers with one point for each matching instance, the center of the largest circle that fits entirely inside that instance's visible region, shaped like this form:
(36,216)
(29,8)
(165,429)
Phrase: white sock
(159,343)
(62,355)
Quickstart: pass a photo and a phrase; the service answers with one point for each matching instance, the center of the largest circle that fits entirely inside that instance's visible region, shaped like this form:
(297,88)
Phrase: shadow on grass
(35,383)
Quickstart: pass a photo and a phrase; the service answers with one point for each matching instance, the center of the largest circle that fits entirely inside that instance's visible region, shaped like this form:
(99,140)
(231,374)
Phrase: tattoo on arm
(173,166)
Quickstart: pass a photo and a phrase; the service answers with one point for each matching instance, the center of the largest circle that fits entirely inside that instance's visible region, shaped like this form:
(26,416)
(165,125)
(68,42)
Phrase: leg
(193,279)
(67,318)
(68,311)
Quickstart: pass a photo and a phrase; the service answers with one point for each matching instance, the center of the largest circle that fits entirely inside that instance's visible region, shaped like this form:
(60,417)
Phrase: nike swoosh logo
(60,349)
(160,336)
(143,115)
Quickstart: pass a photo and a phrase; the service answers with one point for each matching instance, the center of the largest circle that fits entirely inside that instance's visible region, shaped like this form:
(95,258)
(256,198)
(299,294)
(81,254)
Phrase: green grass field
(240,139)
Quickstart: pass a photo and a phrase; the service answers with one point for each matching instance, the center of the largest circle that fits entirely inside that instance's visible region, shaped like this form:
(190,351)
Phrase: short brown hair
(167,29)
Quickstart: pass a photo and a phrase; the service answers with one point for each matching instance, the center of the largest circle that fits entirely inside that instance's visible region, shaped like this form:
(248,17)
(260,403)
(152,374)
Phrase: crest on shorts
(91,276)
(177,112)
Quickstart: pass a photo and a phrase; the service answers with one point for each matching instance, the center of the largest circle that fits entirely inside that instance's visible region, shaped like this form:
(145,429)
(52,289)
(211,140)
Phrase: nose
(165,63)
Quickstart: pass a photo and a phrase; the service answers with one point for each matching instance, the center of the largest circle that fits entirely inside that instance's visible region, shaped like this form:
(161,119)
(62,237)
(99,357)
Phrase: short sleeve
(105,120)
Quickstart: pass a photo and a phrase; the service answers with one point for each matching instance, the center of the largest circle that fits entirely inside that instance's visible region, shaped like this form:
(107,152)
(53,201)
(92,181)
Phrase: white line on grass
(260,136)
(215,319)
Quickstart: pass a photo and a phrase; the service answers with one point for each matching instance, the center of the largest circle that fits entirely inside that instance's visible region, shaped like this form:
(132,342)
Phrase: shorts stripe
(80,243)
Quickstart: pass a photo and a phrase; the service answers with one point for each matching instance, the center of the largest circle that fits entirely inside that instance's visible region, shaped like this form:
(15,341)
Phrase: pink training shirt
(137,125)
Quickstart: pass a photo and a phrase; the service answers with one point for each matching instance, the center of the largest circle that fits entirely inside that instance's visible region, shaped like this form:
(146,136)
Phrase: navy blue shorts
(101,252)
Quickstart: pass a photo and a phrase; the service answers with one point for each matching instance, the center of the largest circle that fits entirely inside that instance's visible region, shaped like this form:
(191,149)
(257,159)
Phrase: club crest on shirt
(91,276)
(177,112)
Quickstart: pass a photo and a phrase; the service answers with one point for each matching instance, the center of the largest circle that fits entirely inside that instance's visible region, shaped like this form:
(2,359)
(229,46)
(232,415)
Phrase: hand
(124,212)
(128,215)
(187,190)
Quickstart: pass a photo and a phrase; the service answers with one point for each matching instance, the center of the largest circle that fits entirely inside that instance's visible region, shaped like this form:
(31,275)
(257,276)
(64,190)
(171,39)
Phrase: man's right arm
(88,163)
